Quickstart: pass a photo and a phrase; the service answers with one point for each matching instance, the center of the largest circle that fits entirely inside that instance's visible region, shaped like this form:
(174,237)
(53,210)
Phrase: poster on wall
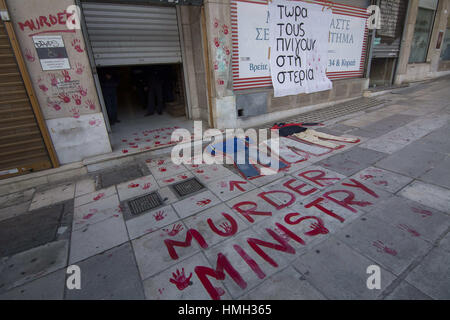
(251,41)
(51,52)
(299,47)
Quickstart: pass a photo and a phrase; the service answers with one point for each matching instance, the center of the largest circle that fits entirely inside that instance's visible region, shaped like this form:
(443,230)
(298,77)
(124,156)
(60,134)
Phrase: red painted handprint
(54,105)
(75,112)
(77,99)
(43,87)
(79,68)
(53,80)
(82,91)
(29,55)
(175,230)
(203,203)
(381,247)
(66,75)
(76,44)
(159,215)
(179,279)
(64,97)
(89,104)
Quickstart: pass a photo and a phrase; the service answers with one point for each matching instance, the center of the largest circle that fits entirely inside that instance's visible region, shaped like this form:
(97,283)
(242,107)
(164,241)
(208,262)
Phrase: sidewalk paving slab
(339,272)
(418,220)
(405,291)
(429,195)
(432,275)
(383,179)
(52,196)
(49,287)
(390,247)
(411,161)
(285,285)
(112,274)
(352,161)
(32,264)
(98,237)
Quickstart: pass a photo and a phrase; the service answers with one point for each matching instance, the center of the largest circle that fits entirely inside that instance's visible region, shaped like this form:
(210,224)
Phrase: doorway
(136,129)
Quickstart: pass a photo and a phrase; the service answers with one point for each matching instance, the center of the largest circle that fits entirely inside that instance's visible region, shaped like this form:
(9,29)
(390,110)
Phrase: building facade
(205,46)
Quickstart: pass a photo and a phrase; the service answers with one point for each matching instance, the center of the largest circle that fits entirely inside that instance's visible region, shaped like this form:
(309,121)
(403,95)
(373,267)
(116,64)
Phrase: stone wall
(67,98)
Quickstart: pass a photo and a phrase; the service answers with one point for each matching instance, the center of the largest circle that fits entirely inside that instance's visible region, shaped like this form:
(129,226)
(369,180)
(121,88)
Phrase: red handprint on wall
(64,97)
(79,68)
(82,91)
(66,75)
(53,80)
(75,112)
(76,44)
(180,280)
(77,99)
(43,87)
(29,55)
(90,104)
(54,105)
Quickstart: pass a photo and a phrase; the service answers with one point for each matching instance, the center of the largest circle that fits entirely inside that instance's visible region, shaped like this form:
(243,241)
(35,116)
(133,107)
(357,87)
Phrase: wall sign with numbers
(250,37)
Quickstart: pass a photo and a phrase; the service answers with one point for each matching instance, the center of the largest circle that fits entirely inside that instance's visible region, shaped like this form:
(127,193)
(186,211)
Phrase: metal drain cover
(187,187)
(145,203)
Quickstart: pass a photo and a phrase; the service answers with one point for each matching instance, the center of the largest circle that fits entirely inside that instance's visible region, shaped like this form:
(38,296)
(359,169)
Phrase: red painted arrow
(237,185)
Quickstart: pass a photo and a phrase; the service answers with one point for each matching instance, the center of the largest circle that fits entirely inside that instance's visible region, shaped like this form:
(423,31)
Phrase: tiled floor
(309,232)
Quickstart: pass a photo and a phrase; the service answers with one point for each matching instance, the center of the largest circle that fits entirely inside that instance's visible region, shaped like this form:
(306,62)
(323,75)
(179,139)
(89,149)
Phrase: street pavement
(309,232)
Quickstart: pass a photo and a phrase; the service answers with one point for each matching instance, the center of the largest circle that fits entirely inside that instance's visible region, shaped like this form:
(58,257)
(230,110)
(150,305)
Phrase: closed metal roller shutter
(22,148)
(122,34)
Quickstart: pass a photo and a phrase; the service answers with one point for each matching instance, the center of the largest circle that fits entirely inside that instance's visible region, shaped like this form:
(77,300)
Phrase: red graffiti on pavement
(381,247)
(180,279)
(175,230)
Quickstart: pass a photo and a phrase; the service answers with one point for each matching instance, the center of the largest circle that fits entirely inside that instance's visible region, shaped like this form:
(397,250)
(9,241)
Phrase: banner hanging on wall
(347,42)
(299,47)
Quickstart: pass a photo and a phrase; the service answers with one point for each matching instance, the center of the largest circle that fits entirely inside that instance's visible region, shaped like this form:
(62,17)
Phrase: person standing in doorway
(109,83)
(155,91)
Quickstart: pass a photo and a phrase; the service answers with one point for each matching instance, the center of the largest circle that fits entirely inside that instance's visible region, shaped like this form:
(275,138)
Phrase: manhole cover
(145,203)
(187,187)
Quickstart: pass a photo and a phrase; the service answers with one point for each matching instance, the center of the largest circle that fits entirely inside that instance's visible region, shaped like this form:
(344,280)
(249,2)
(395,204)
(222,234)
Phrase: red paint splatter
(124,151)
(203,203)
(424,213)
(133,185)
(99,196)
(408,229)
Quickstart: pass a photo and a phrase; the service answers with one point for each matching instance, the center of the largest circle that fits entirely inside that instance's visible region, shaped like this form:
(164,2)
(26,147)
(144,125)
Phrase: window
(422,31)
(445,47)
